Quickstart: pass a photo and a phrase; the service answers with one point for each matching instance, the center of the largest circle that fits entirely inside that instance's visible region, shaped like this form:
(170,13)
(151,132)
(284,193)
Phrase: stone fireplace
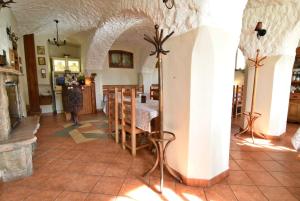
(17,135)
(4,113)
(14,106)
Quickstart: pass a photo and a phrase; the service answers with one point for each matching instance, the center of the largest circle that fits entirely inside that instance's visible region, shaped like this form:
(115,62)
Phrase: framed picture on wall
(120,59)
(41,50)
(42,61)
(12,58)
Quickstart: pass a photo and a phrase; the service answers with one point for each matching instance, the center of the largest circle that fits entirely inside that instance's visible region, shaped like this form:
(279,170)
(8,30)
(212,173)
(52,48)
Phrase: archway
(122,32)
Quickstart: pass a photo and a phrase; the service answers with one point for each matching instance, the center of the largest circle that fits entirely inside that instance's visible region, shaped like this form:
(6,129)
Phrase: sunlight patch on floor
(146,193)
(264,143)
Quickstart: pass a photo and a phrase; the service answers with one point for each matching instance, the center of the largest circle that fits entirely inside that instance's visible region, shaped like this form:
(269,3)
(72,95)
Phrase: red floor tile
(109,185)
(81,183)
(248,193)
(101,170)
(239,178)
(233,165)
(273,166)
(287,179)
(249,165)
(71,196)
(100,197)
(277,194)
(262,178)
(240,155)
(44,195)
(220,193)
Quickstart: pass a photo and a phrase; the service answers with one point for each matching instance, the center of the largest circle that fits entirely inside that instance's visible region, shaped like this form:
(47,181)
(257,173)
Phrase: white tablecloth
(145,112)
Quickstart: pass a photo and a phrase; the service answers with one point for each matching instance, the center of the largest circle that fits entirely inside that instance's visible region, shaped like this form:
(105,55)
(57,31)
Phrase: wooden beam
(31,71)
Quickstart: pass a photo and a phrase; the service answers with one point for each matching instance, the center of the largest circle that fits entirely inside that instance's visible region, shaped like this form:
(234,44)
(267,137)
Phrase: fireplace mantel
(9,70)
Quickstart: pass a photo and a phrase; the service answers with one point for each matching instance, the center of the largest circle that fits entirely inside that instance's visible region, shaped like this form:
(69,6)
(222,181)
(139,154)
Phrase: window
(120,59)
(62,64)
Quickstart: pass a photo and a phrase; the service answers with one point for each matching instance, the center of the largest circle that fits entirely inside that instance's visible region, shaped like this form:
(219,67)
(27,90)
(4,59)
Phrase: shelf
(9,70)
(23,132)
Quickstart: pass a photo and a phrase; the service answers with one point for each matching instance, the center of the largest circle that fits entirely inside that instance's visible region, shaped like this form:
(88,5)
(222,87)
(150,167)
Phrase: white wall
(51,51)
(116,76)
(41,40)
(7,19)
(148,69)
(69,49)
(177,75)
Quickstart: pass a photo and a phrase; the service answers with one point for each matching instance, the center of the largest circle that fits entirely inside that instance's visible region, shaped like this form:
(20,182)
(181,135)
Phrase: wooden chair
(237,100)
(140,89)
(105,88)
(129,121)
(113,113)
(154,92)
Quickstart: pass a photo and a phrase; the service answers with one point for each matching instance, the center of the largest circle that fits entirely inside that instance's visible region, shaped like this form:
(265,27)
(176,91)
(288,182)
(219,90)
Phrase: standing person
(75,101)
(72,97)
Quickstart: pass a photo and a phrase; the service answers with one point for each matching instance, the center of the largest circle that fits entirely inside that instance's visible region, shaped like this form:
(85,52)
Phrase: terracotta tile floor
(101,170)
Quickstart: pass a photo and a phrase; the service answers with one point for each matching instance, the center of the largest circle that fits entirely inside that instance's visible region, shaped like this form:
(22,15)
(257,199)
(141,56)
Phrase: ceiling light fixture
(260,31)
(169,3)
(56,40)
(5,4)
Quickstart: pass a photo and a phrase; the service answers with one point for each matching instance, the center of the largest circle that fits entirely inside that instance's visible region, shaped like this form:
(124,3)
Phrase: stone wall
(4,113)
(16,160)
(282,21)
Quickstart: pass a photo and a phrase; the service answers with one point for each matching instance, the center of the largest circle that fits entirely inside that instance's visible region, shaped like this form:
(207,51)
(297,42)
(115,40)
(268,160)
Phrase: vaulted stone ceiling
(36,16)
(106,21)
(260,3)
(281,18)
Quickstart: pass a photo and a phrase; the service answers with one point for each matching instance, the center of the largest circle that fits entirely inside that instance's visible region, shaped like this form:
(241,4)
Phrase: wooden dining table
(146,113)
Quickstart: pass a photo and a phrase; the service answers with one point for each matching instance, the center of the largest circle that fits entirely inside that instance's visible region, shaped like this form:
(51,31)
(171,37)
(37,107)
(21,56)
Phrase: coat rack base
(161,144)
(251,117)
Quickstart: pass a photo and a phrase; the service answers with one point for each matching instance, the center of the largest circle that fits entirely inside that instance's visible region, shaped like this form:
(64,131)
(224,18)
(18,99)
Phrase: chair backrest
(128,107)
(113,113)
(154,92)
(237,100)
(239,91)
(105,88)
(140,89)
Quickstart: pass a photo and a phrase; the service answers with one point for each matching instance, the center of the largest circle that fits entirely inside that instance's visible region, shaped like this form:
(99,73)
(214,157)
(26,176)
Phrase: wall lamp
(260,31)
(169,3)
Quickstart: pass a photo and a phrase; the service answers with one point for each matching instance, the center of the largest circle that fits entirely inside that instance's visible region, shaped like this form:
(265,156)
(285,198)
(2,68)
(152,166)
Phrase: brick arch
(104,36)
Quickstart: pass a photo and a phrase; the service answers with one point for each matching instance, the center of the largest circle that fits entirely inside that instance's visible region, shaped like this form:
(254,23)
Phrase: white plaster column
(199,75)
(282,22)
(4,113)
(272,94)
(198,92)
